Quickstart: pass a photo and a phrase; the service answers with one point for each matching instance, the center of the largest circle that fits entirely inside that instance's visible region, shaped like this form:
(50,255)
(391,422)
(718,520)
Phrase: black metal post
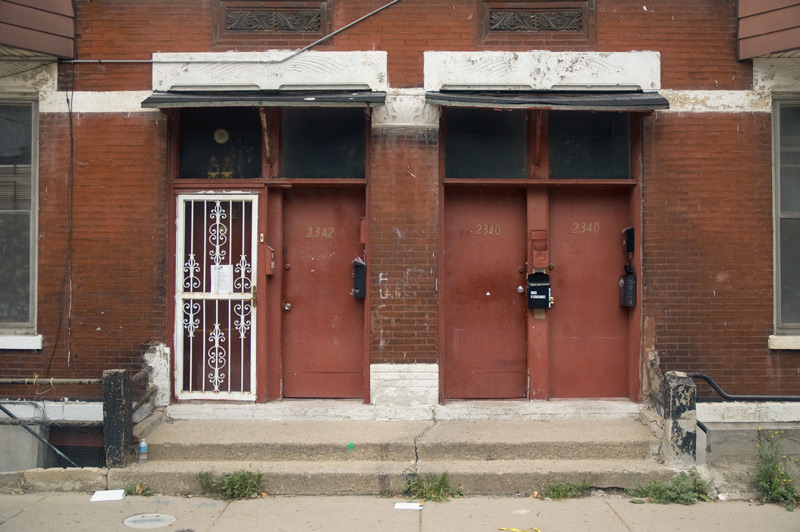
(117,417)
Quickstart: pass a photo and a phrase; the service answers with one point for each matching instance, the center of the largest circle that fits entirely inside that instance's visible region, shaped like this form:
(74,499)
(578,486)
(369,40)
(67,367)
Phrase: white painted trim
(95,102)
(542,70)
(784,342)
(31,341)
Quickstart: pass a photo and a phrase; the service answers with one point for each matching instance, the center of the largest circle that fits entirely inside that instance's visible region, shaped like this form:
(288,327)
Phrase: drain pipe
(271,61)
(728,397)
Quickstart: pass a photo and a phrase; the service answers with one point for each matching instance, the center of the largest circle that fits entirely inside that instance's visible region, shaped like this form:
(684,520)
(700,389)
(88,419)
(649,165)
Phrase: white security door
(215,314)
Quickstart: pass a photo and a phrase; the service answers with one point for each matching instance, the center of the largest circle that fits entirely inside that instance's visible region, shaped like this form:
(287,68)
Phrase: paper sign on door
(222,279)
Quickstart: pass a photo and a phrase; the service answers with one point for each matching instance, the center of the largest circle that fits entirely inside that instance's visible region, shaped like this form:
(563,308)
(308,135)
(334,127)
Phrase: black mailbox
(627,288)
(359,279)
(538,291)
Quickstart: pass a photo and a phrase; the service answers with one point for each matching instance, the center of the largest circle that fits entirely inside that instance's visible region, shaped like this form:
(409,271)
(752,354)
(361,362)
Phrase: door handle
(287,306)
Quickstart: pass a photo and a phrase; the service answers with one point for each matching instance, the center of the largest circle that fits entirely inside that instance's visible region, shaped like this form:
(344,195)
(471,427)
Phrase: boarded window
(220,143)
(485,143)
(587,145)
(324,143)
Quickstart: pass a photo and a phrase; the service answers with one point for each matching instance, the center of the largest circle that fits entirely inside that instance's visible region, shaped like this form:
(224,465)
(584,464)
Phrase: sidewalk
(70,512)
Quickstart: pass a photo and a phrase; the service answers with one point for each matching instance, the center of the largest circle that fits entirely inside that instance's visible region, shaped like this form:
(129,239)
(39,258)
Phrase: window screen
(587,145)
(324,143)
(485,143)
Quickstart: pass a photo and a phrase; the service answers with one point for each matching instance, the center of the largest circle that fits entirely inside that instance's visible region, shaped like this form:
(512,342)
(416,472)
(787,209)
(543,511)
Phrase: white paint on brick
(685,101)
(780,74)
(157,357)
(542,70)
(267,71)
(410,385)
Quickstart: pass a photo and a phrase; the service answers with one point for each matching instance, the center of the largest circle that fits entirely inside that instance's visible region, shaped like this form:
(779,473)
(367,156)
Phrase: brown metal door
(588,328)
(484,314)
(323,324)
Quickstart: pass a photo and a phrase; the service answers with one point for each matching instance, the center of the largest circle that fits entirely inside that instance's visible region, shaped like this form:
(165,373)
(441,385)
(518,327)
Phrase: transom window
(290,143)
(495,144)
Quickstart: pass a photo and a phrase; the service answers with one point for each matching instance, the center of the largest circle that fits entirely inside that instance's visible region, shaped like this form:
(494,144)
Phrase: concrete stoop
(482,457)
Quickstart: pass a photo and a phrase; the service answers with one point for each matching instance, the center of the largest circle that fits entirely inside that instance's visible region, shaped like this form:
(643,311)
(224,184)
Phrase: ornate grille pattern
(537,21)
(274,20)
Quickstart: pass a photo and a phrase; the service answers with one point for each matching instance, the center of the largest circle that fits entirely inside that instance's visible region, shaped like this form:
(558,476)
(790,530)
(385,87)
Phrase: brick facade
(707,265)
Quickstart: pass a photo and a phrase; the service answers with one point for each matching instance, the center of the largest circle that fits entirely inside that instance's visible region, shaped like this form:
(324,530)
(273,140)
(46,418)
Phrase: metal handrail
(728,397)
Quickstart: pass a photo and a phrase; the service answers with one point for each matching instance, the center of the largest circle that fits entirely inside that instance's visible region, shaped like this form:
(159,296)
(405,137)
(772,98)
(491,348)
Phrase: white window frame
(787,336)
(24,335)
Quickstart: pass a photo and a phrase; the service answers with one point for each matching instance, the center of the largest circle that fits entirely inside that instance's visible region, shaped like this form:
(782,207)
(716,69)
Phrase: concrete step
(314,457)
(499,477)
(260,440)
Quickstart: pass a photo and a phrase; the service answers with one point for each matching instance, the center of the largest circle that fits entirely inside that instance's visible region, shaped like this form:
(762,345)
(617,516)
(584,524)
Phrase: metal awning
(561,100)
(164,100)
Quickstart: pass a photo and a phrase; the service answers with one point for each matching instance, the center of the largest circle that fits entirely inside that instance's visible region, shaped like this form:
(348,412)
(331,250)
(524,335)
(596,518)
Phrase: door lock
(521,289)
(287,306)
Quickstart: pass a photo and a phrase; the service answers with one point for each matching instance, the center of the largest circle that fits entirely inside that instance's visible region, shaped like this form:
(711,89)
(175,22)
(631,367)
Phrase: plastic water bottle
(142,451)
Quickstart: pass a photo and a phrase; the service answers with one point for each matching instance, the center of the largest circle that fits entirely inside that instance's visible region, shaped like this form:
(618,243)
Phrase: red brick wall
(403,246)
(119,246)
(696,38)
(708,278)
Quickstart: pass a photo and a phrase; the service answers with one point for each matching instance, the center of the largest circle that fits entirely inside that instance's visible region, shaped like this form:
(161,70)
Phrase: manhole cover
(149,521)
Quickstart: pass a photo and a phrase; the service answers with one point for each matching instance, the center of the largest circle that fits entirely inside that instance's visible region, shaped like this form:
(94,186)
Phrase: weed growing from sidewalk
(232,486)
(429,488)
(139,489)
(566,490)
(683,489)
(772,479)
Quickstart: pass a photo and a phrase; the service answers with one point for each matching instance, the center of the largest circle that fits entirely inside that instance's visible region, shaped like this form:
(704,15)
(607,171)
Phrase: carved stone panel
(556,23)
(241,22)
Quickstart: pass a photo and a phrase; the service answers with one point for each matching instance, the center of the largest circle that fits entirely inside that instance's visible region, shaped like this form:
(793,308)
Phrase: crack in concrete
(416,442)
(621,520)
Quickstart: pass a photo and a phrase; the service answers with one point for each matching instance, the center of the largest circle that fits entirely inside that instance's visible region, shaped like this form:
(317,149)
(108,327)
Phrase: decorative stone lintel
(270,70)
(543,70)
(406,109)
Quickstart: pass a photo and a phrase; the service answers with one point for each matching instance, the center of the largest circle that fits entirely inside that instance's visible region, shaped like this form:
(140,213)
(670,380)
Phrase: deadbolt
(287,306)
(521,289)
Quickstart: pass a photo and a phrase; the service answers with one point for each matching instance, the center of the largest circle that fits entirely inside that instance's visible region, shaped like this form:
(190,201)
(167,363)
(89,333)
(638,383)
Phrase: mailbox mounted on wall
(539,291)
(359,279)
(627,288)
